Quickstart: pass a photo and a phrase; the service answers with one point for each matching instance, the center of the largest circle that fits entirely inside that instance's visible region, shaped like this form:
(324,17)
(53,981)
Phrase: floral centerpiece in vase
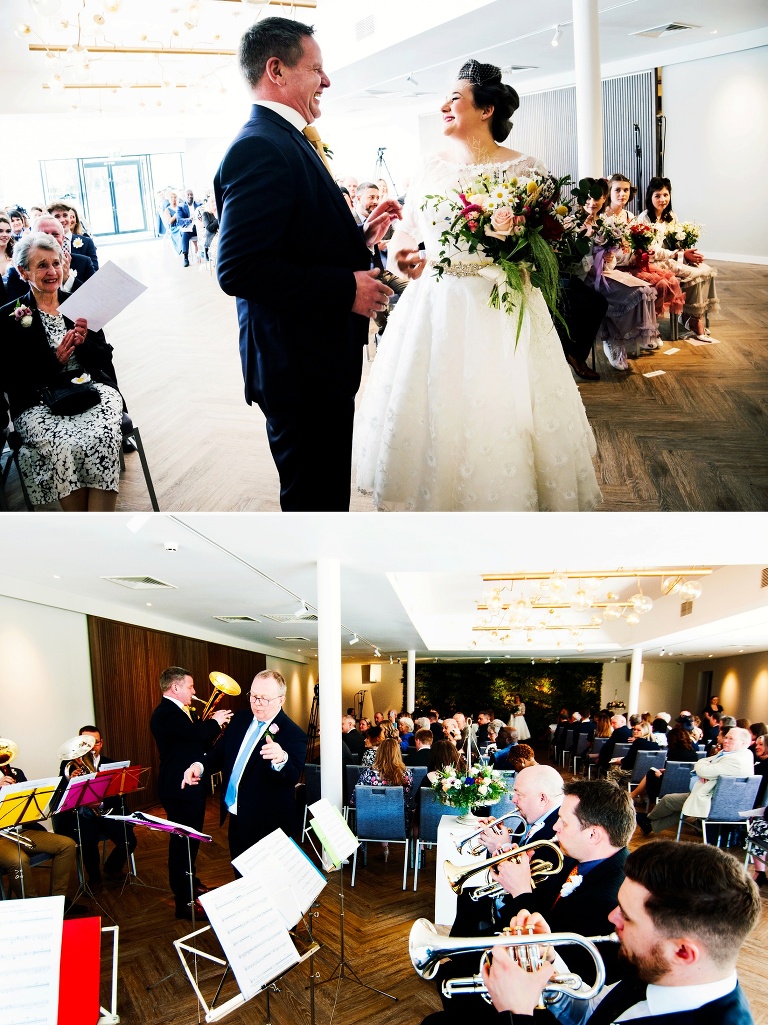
(466,789)
(509,224)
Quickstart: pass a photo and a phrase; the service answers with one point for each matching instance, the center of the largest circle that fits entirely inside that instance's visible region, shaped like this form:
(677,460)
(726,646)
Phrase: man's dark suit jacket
(623,735)
(288,250)
(16,286)
(180,742)
(28,363)
(423,756)
(354,741)
(86,248)
(265,797)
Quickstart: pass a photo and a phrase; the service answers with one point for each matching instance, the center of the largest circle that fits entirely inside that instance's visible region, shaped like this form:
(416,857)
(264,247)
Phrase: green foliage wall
(545,689)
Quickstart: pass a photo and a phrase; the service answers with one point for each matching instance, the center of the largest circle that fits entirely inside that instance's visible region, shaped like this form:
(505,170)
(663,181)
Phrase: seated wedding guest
(82,244)
(630,318)
(506,749)
(622,734)
(350,735)
(92,827)
(621,771)
(406,728)
(653,271)
(388,770)
(73,458)
(734,760)
(435,725)
(421,752)
(444,754)
(373,738)
(659,729)
(6,245)
(757,729)
(452,732)
(76,269)
(684,911)
(210,222)
(680,748)
(710,727)
(61,848)
(697,279)
(523,758)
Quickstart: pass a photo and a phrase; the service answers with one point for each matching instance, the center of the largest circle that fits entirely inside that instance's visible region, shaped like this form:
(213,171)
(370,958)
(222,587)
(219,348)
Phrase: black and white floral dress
(62,454)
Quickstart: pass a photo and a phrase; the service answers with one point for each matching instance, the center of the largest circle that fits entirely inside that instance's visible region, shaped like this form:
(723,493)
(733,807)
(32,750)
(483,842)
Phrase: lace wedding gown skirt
(455,416)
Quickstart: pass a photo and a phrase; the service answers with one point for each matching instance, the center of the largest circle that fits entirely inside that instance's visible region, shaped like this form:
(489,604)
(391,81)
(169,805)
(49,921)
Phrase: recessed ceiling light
(148,604)
(56,576)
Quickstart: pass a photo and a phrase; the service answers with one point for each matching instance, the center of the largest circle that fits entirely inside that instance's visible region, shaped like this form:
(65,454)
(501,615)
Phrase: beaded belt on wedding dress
(464,268)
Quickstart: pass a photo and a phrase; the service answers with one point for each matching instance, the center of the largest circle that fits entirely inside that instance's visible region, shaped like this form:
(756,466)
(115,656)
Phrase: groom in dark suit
(290,251)
(261,757)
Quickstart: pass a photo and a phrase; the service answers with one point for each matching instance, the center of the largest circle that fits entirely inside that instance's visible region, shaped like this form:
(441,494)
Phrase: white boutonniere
(77,243)
(570,885)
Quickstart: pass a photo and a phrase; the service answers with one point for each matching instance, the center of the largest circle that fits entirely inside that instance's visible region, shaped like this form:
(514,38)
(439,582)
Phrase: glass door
(115,196)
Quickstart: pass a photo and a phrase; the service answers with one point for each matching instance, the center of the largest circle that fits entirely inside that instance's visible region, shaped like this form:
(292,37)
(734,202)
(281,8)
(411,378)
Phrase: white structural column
(329,673)
(589,105)
(410,682)
(635,679)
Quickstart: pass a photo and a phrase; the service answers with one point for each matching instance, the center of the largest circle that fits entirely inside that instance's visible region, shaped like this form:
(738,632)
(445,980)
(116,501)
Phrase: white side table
(445,898)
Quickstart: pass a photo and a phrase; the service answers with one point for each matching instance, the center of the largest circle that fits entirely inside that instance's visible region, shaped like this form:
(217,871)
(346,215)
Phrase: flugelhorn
(493,826)
(428,948)
(76,753)
(457,875)
(222,684)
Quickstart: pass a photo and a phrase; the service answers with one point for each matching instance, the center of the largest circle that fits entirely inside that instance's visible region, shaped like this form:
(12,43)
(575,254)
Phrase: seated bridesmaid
(696,277)
(655,272)
(630,316)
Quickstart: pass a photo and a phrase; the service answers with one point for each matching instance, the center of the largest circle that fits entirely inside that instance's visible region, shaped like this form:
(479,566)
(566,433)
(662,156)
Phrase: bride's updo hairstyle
(488,90)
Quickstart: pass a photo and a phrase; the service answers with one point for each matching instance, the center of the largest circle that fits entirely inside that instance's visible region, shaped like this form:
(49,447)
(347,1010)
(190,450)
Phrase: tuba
(76,753)
(427,948)
(457,875)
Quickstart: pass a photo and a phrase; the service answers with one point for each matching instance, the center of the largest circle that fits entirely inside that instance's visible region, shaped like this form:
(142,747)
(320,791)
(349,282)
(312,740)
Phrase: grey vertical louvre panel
(545,126)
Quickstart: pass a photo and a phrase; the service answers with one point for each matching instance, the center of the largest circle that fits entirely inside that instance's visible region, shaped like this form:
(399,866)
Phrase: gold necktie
(313,136)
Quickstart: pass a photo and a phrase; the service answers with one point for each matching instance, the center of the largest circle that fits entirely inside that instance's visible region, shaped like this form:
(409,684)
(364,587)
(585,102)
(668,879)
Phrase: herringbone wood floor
(378,918)
(695,438)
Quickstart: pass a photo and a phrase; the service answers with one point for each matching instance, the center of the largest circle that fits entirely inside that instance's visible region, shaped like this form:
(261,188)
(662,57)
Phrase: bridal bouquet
(479,785)
(608,233)
(511,224)
(682,236)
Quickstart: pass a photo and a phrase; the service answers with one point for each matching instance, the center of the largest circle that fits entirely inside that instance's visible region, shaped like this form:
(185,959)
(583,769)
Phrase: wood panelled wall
(126,662)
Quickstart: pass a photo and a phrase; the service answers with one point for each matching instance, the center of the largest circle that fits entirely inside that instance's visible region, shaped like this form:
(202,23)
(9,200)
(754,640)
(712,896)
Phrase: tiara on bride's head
(480,74)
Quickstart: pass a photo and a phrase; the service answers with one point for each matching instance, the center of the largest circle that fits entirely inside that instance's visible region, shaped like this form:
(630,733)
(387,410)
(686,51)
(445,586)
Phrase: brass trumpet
(457,875)
(428,948)
(493,826)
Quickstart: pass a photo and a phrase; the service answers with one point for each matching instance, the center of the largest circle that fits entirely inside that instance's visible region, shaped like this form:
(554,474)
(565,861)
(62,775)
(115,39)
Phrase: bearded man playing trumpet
(683,912)
(593,827)
(35,840)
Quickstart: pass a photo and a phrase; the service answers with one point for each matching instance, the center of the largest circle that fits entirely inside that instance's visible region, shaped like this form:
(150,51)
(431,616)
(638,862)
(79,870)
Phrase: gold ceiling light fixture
(532,602)
(165,51)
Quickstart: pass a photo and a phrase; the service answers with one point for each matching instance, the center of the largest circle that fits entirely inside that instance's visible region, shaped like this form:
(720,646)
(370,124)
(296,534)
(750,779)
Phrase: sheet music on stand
(27,802)
(29,967)
(286,872)
(143,818)
(337,839)
(84,791)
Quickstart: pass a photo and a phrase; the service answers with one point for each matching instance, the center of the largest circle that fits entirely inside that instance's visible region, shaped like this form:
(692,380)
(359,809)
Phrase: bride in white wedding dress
(454,415)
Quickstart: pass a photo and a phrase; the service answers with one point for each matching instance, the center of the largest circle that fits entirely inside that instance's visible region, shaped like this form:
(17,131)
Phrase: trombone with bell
(457,875)
(479,848)
(222,684)
(428,948)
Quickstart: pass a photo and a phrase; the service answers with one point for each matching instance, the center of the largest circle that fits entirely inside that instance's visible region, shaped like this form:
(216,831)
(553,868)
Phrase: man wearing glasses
(261,756)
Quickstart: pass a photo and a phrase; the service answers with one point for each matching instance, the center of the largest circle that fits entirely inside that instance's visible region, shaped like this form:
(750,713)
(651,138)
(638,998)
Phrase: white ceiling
(407,581)
(370,48)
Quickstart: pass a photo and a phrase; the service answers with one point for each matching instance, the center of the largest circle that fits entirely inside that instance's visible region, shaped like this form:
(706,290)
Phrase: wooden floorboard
(695,438)
(378,919)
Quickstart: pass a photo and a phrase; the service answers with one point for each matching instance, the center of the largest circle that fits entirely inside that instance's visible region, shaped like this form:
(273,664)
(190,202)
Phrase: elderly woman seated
(71,438)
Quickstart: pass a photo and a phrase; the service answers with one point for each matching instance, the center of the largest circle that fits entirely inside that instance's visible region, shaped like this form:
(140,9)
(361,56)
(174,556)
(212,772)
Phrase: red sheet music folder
(80,972)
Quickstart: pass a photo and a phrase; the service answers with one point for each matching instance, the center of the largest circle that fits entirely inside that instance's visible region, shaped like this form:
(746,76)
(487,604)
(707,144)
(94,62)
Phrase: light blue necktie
(246,748)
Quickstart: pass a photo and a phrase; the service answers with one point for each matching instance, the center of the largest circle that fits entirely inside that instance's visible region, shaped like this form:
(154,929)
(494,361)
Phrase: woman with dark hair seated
(373,737)
(697,279)
(72,454)
(444,754)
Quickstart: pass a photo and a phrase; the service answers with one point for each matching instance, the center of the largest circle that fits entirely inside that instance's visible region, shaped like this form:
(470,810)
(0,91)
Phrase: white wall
(660,691)
(301,681)
(382,696)
(45,681)
(717,149)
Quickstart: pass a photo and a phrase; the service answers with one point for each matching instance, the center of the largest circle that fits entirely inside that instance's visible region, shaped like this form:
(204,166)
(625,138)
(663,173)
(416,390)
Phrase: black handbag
(70,399)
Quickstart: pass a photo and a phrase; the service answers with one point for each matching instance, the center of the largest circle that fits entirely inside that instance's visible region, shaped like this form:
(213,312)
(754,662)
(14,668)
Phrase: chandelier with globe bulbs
(568,602)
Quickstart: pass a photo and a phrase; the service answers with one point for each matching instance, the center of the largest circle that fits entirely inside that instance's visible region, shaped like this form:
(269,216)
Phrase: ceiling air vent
(291,617)
(292,639)
(512,68)
(686,608)
(764,578)
(140,583)
(665,30)
(364,28)
(237,619)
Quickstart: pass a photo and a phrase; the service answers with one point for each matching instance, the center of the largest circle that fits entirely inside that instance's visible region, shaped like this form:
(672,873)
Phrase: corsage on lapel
(21,314)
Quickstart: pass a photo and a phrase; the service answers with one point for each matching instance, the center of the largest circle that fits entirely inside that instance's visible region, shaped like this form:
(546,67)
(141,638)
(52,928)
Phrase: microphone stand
(639,163)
